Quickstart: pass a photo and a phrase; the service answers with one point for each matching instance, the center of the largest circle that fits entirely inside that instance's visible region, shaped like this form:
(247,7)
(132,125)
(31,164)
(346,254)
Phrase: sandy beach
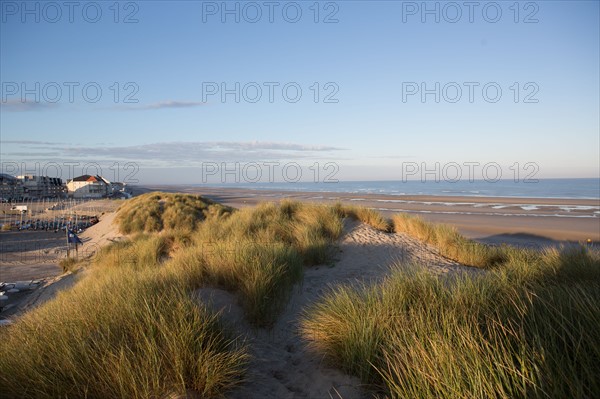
(492,220)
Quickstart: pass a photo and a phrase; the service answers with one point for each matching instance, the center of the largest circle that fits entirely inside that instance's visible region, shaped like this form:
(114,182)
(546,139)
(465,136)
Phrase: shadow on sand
(526,240)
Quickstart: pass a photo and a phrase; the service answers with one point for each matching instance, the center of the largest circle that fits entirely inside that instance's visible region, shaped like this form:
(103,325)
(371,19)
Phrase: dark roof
(4,176)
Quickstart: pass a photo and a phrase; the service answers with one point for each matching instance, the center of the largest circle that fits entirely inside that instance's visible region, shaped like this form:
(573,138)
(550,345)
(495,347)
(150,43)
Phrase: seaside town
(35,188)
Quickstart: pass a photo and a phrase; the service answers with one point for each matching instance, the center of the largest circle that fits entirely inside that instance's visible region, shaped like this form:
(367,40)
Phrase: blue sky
(170,53)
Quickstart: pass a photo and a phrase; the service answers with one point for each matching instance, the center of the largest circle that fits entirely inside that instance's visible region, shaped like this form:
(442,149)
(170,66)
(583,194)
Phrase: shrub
(68,264)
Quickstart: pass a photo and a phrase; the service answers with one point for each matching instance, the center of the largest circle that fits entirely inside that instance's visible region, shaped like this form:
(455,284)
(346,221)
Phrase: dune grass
(156,211)
(365,215)
(523,330)
(132,328)
(126,330)
(260,253)
(449,242)
(452,244)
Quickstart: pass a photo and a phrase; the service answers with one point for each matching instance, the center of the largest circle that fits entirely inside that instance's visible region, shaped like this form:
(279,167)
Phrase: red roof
(89,178)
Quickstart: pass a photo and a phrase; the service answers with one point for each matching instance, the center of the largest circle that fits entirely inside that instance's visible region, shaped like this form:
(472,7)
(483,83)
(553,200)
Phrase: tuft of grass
(450,243)
(528,329)
(156,211)
(366,215)
(261,273)
(139,252)
(68,264)
(259,253)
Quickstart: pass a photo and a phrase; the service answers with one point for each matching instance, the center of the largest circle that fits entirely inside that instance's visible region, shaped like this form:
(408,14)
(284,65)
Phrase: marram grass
(450,243)
(120,332)
(131,326)
(158,211)
(259,253)
(366,215)
(525,330)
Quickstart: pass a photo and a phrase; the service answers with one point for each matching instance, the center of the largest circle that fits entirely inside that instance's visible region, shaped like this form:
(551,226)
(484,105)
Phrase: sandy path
(100,234)
(282,366)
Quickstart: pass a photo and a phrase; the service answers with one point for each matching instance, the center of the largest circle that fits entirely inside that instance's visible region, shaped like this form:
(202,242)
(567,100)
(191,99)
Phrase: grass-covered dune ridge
(259,253)
(156,211)
(528,329)
(123,331)
(132,328)
(451,244)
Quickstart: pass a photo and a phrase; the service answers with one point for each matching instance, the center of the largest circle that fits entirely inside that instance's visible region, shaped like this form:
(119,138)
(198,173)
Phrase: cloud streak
(164,105)
(31,142)
(25,106)
(167,154)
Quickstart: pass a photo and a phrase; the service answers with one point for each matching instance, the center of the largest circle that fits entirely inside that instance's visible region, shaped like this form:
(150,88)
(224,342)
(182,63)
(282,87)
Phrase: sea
(588,188)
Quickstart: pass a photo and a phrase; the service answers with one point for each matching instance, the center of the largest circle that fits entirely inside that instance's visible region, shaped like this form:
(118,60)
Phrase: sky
(193,91)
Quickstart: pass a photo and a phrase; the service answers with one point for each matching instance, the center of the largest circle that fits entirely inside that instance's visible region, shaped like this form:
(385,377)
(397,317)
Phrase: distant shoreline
(371,196)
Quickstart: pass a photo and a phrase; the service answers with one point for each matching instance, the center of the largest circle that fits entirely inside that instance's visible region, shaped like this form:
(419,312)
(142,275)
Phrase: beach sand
(531,222)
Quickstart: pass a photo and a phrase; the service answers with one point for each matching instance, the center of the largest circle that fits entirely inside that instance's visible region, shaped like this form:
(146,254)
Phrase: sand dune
(283,367)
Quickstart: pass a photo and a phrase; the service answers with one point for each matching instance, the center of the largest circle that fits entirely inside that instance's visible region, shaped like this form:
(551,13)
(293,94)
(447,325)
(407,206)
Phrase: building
(117,187)
(11,188)
(88,186)
(37,187)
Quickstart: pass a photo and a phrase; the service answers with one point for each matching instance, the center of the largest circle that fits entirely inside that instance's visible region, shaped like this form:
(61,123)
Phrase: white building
(88,186)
